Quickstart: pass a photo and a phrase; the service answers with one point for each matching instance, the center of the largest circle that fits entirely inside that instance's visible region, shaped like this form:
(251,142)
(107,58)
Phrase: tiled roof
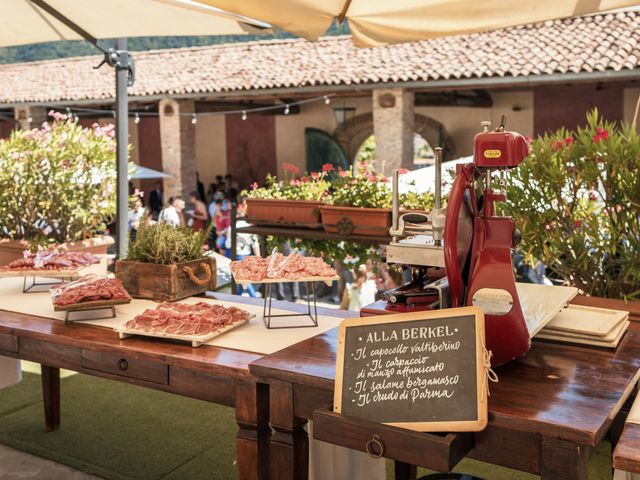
(575,45)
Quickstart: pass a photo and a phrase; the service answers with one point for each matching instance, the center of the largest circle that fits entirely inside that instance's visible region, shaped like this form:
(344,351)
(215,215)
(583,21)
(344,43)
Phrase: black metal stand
(107,307)
(313,315)
(34,284)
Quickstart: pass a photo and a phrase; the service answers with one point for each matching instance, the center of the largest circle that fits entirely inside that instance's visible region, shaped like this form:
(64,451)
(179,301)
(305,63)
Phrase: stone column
(177,140)
(393,119)
(29,117)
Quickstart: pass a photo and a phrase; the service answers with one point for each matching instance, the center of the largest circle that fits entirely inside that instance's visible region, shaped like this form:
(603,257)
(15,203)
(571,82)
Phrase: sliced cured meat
(292,267)
(186,319)
(89,289)
(52,259)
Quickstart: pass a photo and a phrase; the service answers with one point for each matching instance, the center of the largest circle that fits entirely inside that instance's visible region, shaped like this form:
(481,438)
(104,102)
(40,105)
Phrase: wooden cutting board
(586,321)
(591,341)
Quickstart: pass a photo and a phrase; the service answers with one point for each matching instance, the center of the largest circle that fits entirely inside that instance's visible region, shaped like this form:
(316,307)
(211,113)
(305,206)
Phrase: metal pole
(122,151)
(438,185)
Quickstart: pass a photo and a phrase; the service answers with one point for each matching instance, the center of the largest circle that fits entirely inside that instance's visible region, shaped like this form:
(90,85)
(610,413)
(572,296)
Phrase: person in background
(173,213)
(223,224)
(156,201)
(245,246)
(362,291)
(200,188)
(199,214)
(135,217)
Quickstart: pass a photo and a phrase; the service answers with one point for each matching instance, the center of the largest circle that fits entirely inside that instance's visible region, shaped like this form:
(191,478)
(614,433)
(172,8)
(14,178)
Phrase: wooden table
(626,455)
(547,414)
(214,374)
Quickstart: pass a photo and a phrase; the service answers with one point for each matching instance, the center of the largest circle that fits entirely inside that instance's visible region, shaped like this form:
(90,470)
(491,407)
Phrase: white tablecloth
(10,372)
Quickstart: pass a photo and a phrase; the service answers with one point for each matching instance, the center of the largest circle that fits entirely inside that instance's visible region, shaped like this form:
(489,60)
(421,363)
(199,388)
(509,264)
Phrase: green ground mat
(123,432)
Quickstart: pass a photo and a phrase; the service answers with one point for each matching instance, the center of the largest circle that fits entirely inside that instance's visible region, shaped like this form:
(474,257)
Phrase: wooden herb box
(167,282)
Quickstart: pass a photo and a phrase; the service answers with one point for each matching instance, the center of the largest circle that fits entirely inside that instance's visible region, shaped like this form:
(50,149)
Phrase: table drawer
(205,386)
(125,366)
(439,452)
(8,343)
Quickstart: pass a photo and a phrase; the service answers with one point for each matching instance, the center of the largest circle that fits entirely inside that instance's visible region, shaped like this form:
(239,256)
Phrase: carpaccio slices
(186,319)
(292,267)
(52,259)
(89,289)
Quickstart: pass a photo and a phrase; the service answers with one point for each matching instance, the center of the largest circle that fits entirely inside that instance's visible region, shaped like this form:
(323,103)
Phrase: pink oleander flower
(402,171)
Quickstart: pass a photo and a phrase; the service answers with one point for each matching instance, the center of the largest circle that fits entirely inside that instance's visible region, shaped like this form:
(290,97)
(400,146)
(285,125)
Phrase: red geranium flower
(328,167)
(291,168)
(315,175)
(254,186)
(568,140)
(578,223)
(402,171)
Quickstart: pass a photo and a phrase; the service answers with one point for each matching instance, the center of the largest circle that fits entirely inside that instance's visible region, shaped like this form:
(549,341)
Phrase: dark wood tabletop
(214,374)
(626,455)
(567,392)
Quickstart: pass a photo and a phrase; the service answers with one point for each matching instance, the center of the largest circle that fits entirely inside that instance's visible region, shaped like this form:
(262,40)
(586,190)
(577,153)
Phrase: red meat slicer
(461,255)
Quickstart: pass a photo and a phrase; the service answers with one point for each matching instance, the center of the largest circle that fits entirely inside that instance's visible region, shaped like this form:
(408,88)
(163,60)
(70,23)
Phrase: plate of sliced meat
(192,322)
(49,263)
(278,268)
(91,291)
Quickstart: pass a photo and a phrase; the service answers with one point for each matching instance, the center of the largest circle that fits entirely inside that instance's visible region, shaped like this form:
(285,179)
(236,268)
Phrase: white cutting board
(586,321)
(607,342)
(541,303)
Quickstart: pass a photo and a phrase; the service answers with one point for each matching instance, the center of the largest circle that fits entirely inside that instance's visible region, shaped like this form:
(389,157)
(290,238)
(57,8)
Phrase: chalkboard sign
(423,371)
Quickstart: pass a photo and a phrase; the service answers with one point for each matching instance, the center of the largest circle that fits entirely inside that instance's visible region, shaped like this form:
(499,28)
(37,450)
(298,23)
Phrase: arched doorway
(423,153)
(352,134)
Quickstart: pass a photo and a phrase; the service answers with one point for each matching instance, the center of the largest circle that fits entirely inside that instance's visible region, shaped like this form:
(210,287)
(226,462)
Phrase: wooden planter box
(11,250)
(373,222)
(165,283)
(297,213)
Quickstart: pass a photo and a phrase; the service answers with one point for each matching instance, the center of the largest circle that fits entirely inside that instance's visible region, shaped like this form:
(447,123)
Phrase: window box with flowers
(361,204)
(576,200)
(57,186)
(294,201)
(358,204)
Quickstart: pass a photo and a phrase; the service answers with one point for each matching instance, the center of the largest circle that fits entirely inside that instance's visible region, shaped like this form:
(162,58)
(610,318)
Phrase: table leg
(562,460)
(404,471)
(51,396)
(290,443)
(252,441)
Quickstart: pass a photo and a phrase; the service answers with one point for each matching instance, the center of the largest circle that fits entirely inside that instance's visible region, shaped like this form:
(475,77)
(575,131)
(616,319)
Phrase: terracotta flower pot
(11,250)
(633,307)
(347,221)
(299,213)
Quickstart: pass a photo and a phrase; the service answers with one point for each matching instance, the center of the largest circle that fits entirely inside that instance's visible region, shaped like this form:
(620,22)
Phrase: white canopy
(23,21)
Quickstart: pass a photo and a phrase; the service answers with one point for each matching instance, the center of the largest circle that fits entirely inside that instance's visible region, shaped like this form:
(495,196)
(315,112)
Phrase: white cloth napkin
(331,462)
(10,372)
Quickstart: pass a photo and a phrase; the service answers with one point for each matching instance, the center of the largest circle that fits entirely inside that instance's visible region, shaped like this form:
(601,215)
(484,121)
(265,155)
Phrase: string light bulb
(286,109)
(68,112)
(244,115)
(136,120)
(327,100)
(194,119)
(113,112)
(30,119)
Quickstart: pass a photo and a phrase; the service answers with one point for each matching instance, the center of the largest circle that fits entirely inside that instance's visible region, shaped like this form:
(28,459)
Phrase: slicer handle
(454,275)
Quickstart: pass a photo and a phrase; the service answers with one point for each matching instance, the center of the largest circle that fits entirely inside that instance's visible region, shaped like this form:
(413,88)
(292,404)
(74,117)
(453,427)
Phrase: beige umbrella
(33,21)
(378,22)
(23,21)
